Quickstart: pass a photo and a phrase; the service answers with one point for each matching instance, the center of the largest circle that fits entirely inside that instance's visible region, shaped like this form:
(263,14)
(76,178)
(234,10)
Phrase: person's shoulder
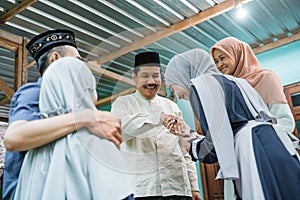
(269,73)
(25,102)
(165,99)
(30,86)
(203,78)
(269,76)
(27,91)
(124,97)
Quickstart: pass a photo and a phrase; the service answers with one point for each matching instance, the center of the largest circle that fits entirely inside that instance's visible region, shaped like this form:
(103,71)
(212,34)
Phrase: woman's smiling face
(223,63)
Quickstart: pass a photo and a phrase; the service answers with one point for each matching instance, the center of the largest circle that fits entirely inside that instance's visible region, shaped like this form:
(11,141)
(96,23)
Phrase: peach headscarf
(265,82)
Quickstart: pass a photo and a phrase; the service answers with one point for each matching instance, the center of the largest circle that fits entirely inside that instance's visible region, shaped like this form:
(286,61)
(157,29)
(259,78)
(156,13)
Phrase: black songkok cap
(49,39)
(147,59)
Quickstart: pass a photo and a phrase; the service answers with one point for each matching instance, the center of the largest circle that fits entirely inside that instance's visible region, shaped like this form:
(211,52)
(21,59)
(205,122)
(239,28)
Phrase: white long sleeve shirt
(284,115)
(159,165)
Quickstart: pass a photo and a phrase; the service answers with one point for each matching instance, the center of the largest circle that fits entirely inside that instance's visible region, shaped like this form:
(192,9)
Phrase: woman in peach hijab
(236,58)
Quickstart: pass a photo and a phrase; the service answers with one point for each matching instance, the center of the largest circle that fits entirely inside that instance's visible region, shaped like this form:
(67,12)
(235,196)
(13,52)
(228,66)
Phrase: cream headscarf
(266,83)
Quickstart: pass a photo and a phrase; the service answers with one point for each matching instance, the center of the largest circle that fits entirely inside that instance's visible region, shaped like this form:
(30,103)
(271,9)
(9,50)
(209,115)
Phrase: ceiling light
(241,12)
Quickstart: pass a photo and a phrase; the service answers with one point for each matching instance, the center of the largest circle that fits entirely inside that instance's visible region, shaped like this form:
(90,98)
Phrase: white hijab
(196,65)
(68,86)
(188,65)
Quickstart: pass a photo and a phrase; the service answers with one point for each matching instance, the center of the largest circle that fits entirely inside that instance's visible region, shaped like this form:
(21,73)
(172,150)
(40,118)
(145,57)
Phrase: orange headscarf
(265,82)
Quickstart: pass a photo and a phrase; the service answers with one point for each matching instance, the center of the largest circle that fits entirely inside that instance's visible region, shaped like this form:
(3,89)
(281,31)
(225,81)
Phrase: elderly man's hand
(196,195)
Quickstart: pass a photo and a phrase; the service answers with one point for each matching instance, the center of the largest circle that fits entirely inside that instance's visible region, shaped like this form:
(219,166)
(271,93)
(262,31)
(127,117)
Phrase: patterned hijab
(266,83)
(188,65)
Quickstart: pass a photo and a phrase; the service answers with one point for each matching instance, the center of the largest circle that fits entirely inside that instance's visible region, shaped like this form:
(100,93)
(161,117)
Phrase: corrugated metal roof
(111,32)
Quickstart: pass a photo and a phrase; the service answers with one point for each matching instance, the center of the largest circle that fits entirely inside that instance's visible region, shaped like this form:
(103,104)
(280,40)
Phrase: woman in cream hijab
(236,58)
(80,165)
(238,130)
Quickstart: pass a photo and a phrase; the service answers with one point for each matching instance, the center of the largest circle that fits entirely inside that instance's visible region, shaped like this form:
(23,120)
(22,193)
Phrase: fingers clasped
(175,125)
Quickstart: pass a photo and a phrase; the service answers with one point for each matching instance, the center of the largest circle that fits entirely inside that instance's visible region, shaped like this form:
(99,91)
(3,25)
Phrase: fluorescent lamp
(241,12)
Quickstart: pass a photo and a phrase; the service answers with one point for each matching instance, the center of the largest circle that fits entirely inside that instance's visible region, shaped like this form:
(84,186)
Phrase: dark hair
(137,69)
(43,61)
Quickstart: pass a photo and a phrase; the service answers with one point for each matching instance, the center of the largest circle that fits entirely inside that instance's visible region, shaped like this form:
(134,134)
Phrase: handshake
(178,127)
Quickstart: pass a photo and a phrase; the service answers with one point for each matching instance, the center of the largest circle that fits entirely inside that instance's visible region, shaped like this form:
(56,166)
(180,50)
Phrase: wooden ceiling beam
(276,44)
(4,101)
(182,25)
(18,67)
(110,99)
(13,43)
(8,15)
(24,75)
(6,89)
(4,35)
(8,45)
(97,70)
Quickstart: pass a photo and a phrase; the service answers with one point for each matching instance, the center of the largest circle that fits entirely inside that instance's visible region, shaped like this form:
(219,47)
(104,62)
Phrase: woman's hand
(178,127)
(174,123)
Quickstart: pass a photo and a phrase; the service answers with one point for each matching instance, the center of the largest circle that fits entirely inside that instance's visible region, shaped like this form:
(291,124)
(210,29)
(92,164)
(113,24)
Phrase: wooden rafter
(6,89)
(10,37)
(108,100)
(5,17)
(30,64)
(18,67)
(96,69)
(13,43)
(184,24)
(278,43)
(4,101)
(24,61)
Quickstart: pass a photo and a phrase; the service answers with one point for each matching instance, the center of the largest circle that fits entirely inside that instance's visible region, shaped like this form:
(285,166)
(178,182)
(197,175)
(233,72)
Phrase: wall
(188,116)
(284,61)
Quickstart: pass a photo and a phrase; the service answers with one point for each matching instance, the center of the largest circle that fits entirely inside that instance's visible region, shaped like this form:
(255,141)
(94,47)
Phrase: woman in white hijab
(80,165)
(238,129)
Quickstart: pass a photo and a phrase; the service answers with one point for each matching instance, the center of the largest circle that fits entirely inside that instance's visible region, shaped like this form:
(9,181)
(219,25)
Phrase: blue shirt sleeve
(24,105)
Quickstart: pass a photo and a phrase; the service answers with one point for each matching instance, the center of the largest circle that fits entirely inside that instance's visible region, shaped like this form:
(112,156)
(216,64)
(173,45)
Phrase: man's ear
(133,75)
(54,56)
